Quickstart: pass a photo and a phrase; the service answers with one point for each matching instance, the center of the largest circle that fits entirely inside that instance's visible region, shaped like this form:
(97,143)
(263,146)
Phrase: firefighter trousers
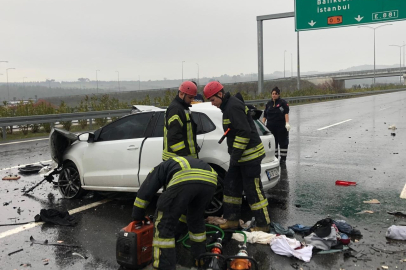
(245,178)
(281,141)
(192,199)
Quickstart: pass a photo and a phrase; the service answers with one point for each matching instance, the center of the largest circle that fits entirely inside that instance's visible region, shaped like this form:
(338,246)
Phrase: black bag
(322,228)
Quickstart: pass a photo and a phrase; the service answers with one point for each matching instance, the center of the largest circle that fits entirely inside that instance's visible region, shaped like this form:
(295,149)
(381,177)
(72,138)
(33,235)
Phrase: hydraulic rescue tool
(241,260)
(134,244)
(215,260)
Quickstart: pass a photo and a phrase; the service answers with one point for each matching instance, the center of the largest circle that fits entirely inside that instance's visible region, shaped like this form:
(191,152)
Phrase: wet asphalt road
(361,150)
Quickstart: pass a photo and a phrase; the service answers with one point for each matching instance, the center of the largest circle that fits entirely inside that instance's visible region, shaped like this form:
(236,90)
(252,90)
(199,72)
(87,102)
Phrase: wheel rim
(217,201)
(69,182)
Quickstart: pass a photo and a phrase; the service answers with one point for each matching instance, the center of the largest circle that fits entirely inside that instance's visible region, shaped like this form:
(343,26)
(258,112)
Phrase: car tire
(215,207)
(69,184)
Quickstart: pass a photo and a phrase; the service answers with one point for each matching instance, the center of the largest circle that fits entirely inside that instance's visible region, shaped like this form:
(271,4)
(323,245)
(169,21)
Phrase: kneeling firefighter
(188,187)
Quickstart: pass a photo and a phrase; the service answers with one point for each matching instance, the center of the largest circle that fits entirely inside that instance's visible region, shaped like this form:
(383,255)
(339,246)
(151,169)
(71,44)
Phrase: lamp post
(291,65)
(97,82)
(284,53)
(400,60)
(182,69)
(374,28)
(8,89)
(197,74)
(118,80)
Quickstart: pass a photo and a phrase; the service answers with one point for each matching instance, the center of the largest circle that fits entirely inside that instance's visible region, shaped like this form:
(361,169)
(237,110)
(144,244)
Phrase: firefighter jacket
(169,175)
(243,141)
(275,111)
(179,131)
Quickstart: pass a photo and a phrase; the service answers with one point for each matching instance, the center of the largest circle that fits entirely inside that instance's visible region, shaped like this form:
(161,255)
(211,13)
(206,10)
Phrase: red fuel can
(134,245)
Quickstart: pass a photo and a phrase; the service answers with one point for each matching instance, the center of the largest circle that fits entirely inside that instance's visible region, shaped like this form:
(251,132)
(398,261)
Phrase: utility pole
(97,82)
(284,53)
(374,28)
(400,60)
(182,69)
(118,80)
(8,88)
(197,74)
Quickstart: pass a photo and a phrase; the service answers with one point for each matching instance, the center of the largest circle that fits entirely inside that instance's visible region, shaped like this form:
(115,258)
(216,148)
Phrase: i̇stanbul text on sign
(319,14)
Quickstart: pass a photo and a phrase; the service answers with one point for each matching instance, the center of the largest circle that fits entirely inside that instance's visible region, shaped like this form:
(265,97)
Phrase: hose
(186,237)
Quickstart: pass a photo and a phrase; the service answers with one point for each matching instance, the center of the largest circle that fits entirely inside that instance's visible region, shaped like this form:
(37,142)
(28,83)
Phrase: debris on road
(14,252)
(392,127)
(365,212)
(396,232)
(46,243)
(345,183)
(80,255)
(7,203)
(373,201)
(28,169)
(397,213)
(56,217)
(11,177)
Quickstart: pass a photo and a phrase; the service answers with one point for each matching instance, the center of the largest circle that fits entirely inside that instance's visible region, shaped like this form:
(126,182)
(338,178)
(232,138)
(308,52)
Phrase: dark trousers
(245,178)
(281,140)
(191,199)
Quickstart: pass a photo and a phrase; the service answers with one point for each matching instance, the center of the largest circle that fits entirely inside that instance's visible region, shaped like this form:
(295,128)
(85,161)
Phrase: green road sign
(317,14)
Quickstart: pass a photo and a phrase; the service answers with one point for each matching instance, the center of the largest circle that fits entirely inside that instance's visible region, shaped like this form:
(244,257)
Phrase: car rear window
(261,128)
(203,122)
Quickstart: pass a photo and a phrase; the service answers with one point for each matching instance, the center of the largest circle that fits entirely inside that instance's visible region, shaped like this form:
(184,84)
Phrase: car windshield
(261,128)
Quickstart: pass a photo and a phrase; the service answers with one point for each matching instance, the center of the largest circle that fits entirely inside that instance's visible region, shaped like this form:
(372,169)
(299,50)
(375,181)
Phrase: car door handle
(132,147)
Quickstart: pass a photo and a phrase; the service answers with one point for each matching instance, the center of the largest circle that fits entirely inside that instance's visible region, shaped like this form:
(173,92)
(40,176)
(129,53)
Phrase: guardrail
(322,97)
(53,118)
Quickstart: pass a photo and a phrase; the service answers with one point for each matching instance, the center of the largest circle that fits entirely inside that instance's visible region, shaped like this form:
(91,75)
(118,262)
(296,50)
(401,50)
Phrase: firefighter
(246,152)
(179,127)
(188,187)
(276,115)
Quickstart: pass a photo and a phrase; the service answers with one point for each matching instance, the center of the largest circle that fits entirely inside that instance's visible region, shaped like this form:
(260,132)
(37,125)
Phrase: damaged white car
(119,156)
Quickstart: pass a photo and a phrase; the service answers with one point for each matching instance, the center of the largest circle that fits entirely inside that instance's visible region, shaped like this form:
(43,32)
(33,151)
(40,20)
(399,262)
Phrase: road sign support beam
(260,41)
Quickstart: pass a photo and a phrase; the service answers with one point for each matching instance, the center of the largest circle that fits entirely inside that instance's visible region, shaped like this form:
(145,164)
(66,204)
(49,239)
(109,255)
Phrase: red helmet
(189,88)
(211,89)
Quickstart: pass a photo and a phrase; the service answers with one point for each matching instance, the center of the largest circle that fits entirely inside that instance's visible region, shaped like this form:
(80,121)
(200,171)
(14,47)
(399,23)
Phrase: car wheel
(215,207)
(69,182)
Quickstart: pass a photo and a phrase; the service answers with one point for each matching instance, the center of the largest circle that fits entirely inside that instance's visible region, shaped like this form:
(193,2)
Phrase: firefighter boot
(262,229)
(230,225)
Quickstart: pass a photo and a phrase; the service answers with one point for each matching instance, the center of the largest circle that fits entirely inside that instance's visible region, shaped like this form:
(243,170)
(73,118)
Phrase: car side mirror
(83,137)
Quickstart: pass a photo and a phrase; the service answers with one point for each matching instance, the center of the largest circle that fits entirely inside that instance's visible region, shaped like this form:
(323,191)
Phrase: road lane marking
(335,124)
(34,224)
(384,109)
(44,161)
(403,194)
(24,141)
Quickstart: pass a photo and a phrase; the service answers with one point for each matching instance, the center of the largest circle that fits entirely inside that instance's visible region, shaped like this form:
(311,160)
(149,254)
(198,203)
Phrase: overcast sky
(68,39)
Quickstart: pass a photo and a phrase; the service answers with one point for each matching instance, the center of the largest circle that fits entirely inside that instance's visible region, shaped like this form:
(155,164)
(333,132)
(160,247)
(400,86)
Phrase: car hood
(59,141)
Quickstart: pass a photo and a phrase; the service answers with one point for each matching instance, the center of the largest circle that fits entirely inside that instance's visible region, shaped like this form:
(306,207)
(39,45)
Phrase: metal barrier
(53,118)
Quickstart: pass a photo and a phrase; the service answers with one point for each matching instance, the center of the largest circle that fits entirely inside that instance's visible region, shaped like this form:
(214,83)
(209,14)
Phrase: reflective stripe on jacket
(179,131)
(170,174)
(243,141)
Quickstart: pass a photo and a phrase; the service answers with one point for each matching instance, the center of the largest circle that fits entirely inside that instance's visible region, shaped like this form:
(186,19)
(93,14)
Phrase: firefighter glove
(287,126)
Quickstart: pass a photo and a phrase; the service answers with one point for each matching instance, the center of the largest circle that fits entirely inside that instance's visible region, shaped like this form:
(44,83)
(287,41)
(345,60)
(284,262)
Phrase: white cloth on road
(282,245)
(324,243)
(396,232)
(255,237)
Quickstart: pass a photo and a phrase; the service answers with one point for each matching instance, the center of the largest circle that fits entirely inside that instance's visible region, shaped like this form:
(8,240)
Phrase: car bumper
(270,179)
